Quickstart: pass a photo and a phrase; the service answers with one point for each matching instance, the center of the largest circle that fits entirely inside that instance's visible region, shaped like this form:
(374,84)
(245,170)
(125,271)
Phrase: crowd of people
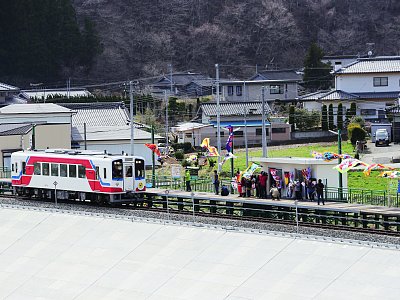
(256,186)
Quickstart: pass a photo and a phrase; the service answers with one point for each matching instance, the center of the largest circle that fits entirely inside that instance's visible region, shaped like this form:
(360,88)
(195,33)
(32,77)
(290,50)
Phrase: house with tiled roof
(372,83)
(244,115)
(106,126)
(185,84)
(281,85)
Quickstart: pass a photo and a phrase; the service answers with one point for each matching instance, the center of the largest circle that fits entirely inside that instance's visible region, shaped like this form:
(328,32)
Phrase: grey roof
(7,87)
(203,82)
(342,95)
(99,114)
(34,108)
(42,93)
(338,95)
(109,133)
(380,64)
(379,95)
(232,108)
(180,79)
(15,129)
(284,75)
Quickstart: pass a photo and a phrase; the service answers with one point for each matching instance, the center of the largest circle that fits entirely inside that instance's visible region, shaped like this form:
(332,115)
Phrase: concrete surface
(56,256)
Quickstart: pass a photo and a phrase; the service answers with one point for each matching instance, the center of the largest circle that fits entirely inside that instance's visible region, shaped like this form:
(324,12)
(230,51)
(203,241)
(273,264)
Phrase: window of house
(278,130)
(188,135)
(259,131)
(239,90)
(81,172)
(368,112)
(230,90)
(380,81)
(45,169)
(54,169)
(37,170)
(276,89)
(63,170)
(221,132)
(238,133)
(72,170)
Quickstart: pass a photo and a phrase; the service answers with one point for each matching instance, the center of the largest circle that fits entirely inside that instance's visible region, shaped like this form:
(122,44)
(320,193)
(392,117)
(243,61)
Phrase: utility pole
(218,116)
(131,116)
(340,160)
(153,162)
(245,136)
(68,88)
(264,131)
(166,123)
(170,77)
(84,135)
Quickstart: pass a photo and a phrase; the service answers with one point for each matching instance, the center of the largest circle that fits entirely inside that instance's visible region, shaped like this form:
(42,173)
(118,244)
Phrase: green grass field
(300,151)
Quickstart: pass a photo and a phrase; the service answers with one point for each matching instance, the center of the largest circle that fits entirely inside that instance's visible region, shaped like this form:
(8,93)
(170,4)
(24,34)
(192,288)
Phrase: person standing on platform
(320,191)
(238,183)
(187,179)
(311,190)
(243,184)
(297,190)
(216,182)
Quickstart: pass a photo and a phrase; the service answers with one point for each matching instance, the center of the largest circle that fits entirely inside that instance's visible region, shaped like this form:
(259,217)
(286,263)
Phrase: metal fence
(5,172)
(346,195)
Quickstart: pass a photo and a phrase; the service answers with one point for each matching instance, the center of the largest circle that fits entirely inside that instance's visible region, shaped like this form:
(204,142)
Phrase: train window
(37,170)
(63,170)
(105,173)
(81,172)
(45,169)
(117,171)
(54,169)
(12,167)
(72,171)
(16,167)
(97,172)
(128,171)
(23,167)
(139,168)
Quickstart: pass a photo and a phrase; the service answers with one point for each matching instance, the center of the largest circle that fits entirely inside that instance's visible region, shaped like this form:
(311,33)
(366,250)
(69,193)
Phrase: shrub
(324,118)
(358,134)
(185,163)
(179,155)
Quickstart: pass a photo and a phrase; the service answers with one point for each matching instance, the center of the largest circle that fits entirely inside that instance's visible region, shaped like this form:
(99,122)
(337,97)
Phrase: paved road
(383,155)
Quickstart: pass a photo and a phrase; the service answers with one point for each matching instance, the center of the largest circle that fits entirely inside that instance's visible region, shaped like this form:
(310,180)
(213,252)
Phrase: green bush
(179,155)
(186,147)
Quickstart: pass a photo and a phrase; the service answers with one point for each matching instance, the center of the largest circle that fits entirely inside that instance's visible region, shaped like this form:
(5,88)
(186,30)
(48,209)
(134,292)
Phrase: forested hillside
(140,38)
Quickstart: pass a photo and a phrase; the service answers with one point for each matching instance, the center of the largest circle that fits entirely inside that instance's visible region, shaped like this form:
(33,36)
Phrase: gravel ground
(329,235)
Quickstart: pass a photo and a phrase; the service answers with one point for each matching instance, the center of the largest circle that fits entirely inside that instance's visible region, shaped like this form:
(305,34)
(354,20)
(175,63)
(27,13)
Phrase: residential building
(339,61)
(184,85)
(108,128)
(193,132)
(372,83)
(280,85)
(246,115)
(43,93)
(9,95)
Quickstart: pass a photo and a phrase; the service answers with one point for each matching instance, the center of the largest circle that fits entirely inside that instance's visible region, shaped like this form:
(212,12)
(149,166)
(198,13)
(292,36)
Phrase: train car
(81,175)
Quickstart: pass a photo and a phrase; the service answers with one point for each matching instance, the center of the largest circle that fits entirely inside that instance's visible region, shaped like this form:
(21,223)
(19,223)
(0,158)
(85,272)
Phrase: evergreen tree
(291,116)
(340,116)
(330,117)
(316,73)
(353,109)
(324,118)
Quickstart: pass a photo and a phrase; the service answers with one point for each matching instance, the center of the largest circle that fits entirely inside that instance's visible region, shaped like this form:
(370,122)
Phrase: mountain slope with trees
(140,38)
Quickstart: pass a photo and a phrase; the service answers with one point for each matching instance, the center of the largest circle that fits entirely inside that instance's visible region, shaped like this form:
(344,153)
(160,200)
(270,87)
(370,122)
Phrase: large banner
(250,170)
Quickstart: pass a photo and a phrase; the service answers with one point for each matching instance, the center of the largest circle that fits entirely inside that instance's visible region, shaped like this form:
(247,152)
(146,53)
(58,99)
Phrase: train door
(128,176)
(140,179)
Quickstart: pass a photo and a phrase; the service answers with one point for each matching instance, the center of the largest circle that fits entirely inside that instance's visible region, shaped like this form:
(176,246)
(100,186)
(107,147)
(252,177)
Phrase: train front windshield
(139,168)
(117,171)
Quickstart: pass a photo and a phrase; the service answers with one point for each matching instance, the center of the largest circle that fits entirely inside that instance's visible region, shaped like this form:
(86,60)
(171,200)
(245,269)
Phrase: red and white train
(82,175)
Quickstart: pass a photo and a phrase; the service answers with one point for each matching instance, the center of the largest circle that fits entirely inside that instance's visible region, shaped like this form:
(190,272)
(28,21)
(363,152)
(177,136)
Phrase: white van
(382,137)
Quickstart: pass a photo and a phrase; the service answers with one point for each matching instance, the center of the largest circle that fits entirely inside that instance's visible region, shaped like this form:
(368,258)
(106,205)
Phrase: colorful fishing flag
(212,151)
(227,156)
(328,156)
(250,170)
(205,143)
(306,173)
(230,128)
(390,174)
(229,143)
(349,164)
(369,168)
(154,148)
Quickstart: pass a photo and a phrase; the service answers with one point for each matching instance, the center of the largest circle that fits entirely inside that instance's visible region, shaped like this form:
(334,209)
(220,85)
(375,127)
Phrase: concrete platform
(57,256)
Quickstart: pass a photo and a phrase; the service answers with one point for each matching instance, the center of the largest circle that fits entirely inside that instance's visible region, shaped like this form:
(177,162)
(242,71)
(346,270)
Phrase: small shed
(293,168)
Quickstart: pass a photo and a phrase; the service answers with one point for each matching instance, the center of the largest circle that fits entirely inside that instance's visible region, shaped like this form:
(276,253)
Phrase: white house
(372,83)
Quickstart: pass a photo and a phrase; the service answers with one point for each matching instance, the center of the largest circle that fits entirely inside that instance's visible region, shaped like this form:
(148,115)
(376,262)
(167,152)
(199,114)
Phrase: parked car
(382,138)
